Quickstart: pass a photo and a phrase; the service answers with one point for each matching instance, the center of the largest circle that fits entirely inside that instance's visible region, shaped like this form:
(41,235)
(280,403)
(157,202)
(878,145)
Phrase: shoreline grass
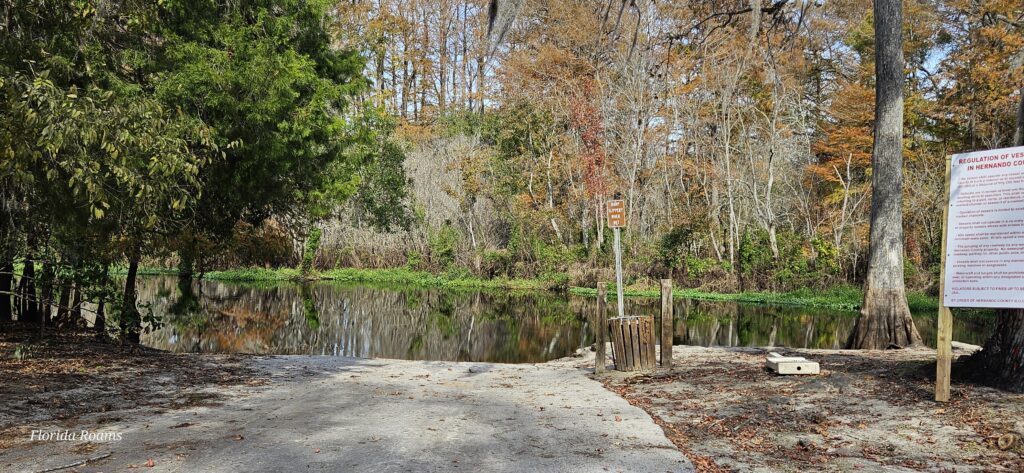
(845,297)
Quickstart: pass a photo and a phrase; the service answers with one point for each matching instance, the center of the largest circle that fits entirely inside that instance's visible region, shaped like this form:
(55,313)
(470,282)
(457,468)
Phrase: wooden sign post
(617,220)
(944,332)
(982,243)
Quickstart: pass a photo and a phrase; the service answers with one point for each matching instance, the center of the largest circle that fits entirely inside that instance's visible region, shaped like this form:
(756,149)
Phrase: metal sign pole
(618,271)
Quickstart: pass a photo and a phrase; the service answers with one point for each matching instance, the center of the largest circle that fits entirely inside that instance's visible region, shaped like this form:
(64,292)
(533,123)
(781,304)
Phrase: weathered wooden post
(944,334)
(601,327)
(666,323)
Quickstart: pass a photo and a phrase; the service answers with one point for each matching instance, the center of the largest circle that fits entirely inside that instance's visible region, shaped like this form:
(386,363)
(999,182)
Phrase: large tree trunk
(1001,360)
(885,319)
(131,321)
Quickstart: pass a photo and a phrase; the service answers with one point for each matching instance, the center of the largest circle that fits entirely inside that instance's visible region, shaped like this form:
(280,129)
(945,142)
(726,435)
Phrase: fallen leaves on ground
(71,374)
(867,410)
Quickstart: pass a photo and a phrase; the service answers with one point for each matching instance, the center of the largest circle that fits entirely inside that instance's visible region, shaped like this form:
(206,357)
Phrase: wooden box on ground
(791,364)
(632,340)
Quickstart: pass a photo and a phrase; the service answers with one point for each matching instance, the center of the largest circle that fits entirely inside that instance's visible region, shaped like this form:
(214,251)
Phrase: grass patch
(424,279)
(254,275)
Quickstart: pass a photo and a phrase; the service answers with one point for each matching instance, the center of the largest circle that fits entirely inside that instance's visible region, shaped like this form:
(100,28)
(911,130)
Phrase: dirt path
(337,414)
(867,411)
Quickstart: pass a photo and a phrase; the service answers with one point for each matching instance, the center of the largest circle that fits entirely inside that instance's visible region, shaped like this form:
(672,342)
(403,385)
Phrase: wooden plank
(644,326)
(667,318)
(601,325)
(627,331)
(615,329)
(652,355)
(944,335)
(641,343)
(635,342)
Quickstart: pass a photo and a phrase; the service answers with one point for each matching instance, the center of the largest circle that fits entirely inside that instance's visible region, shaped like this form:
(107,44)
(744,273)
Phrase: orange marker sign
(616,213)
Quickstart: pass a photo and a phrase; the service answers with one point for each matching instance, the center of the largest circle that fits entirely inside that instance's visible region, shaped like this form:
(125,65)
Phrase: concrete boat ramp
(372,415)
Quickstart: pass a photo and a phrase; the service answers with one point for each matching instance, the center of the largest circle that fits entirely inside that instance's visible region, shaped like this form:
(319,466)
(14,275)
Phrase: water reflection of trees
(714,323)
(332,319)
(435,324)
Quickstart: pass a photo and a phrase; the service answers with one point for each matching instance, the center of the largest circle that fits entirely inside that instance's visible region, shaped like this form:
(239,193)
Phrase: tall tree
(885,319)
(266,79)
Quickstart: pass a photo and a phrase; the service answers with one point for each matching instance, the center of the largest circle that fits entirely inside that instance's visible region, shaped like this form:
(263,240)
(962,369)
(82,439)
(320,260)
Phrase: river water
(416,323)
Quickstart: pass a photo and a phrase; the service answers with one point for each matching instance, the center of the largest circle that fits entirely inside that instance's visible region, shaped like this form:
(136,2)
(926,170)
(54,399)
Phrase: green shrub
(556,280)
(497,263)
(827,259)
(699,267)
(794,267)
(414,261)
(672,248)
(443,245)
(309,251)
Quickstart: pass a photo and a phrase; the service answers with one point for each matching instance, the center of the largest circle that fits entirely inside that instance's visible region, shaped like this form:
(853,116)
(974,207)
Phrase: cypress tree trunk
(131,322)
(885,317)
(1001,360)
(6,289)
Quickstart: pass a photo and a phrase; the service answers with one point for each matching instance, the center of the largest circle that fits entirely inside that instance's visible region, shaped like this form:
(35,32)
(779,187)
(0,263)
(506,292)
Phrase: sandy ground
(867,411)
(343,414)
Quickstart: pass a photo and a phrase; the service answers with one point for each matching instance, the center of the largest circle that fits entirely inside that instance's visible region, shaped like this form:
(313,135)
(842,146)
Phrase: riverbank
(320,413)
(841,297)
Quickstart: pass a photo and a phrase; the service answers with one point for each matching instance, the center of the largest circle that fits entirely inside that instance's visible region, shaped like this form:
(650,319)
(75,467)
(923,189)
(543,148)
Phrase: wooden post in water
(944,335)
(666,323)
(601,327)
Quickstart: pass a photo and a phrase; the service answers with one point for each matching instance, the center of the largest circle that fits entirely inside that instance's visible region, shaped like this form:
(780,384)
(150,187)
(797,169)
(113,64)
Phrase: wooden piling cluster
(633,337)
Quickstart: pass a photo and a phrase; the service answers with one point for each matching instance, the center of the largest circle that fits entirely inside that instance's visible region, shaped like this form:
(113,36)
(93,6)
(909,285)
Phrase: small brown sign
(616,213)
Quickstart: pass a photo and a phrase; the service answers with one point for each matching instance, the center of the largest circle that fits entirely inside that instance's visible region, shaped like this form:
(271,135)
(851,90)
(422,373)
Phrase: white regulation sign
(985,230)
